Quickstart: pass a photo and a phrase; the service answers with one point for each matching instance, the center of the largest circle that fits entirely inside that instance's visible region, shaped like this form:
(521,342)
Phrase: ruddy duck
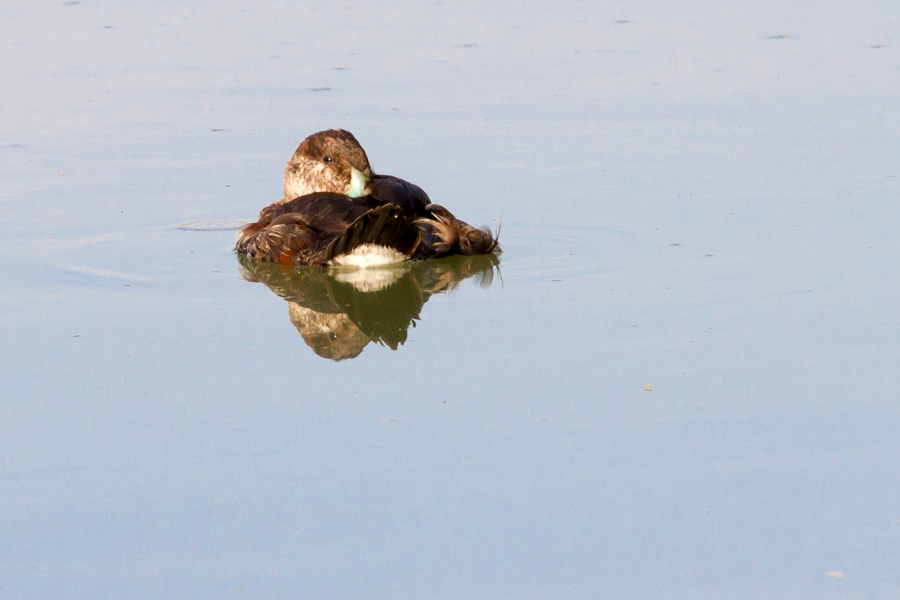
(336,211)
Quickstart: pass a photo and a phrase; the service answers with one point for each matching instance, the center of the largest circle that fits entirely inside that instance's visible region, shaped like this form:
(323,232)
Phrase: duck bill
(358,182)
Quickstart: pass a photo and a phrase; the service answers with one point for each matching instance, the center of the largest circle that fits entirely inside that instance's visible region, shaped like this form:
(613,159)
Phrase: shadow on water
(338,312)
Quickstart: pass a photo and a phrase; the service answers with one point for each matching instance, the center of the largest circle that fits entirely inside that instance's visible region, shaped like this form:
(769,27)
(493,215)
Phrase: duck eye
(332,336)
(327,160)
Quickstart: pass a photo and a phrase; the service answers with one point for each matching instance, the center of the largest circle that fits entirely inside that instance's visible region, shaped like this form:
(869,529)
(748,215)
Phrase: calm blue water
(679,381)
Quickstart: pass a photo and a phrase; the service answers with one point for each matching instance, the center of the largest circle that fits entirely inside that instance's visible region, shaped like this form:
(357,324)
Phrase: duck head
(328,161)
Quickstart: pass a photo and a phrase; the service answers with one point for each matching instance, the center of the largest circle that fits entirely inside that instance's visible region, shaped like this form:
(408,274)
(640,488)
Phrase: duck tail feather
(476,241)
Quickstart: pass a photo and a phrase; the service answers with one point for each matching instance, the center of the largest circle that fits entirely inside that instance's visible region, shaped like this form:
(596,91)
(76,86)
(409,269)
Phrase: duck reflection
(338,312)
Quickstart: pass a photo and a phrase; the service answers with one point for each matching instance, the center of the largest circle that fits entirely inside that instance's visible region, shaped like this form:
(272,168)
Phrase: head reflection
(338,312)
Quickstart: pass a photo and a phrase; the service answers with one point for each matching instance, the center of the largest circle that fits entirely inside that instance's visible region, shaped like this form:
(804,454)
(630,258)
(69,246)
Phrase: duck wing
(299,231)
(286,240)
(318,228)
(323,211)
(385,226)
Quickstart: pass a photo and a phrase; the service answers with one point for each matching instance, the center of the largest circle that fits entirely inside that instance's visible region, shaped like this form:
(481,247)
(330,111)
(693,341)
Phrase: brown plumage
(317,228)
(334,204)
(446,235)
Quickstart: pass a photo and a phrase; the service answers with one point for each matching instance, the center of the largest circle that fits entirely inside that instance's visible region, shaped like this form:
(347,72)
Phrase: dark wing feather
(392,190)
(383,226)
(324,211)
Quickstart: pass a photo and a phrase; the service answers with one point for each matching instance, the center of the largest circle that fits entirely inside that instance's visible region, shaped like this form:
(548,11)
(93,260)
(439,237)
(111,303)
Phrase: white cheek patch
(369,255)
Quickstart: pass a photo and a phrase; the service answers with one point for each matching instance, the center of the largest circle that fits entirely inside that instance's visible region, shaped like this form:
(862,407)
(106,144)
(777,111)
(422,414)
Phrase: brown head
(328,161)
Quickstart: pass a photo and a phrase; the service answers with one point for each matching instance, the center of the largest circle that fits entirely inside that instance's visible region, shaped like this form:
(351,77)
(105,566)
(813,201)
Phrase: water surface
(679,381)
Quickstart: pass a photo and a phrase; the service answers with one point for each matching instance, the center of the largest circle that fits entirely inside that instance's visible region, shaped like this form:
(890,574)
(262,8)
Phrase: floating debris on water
(224,225)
